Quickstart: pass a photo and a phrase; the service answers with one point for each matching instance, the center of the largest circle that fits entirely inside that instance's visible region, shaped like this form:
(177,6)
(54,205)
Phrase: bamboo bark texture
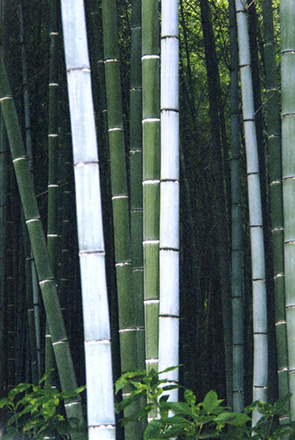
(151,176)
(287,17)
(169,195)
(260,336)
(100,405)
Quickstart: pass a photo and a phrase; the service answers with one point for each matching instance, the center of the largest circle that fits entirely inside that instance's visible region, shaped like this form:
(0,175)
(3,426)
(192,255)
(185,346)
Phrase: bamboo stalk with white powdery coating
(39,248)
(287,16)
(276,197)
(169,195)
(260,334)
(151,176)
(99,380)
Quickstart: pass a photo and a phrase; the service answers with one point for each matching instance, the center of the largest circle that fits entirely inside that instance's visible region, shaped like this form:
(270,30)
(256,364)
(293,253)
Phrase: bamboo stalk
(38,245)
(169,195)
(237,227)
(260,334)
(287,16)
(100,401)
(276,197)
(151,176)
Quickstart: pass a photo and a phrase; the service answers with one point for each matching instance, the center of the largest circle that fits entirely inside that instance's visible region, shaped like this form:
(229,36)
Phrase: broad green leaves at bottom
(208,419)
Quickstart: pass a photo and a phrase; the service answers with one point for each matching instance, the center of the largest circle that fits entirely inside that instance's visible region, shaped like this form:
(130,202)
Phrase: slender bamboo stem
(237,227)
(276,196)
(287,17)
(260,334)
(151,176)
(38,245)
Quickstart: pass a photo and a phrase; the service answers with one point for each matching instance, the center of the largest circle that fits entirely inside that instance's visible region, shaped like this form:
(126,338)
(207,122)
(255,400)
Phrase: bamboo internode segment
(260,374)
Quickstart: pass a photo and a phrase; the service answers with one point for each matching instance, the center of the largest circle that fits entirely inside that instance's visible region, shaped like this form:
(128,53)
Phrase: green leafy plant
(190,420)
(35,411)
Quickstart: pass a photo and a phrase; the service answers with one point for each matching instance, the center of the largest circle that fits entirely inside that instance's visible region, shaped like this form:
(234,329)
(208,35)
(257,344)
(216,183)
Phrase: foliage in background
(190,420)
(36,411)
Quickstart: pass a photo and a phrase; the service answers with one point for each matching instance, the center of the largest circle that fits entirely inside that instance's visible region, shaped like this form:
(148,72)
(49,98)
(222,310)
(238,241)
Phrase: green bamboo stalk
(127,322)
(276,197)
(287,17)
(237,227)
(29,154)
(260,335)
(100,401)
(169,198)
(119,187)
(53,185)
(151,176)
(38,245)
(136,209)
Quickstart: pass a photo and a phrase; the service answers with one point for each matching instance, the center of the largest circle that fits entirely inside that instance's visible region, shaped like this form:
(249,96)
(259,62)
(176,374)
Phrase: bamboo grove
(147,199)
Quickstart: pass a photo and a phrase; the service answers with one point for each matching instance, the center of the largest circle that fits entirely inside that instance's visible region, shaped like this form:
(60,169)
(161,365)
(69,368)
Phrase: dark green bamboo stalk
(38,244)
(220,197)
(136,209)
(287,17)
(53,186)
(237,227)
(276,197)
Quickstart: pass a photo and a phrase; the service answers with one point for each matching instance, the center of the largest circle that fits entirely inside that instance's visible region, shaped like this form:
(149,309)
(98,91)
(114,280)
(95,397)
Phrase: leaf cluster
(36,411)
(190,420)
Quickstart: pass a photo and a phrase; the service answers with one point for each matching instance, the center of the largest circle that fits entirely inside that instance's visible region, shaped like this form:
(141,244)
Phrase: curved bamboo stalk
(100,401)
(287,16)
(169,198)
(38,245)
(151,176)
(260,373)
(276,196)
(237,228)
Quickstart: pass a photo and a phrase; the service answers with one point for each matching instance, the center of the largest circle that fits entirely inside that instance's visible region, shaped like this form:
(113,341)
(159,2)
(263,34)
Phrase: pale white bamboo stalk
(260,336)
(100,403)
(169,195)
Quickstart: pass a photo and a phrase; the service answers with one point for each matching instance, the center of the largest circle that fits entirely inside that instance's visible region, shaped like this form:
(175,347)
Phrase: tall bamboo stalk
(169,194)
(53,186)
(287,17)
(276,197)
(100,404)
(151,176)
(260,335)
(136,209)
(38,245)
(237,227)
